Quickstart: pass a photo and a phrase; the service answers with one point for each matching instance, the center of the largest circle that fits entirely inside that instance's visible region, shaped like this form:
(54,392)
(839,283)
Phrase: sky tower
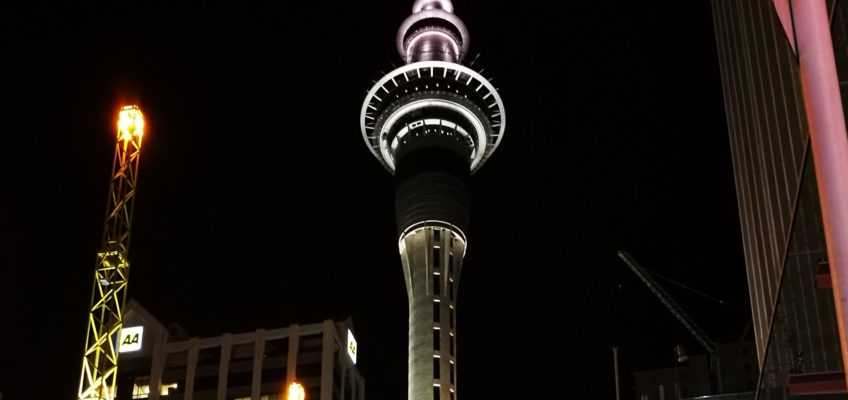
(432,123)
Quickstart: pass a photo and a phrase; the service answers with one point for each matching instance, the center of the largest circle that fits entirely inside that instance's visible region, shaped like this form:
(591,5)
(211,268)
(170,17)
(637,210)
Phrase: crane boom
(672,306)
(100,359)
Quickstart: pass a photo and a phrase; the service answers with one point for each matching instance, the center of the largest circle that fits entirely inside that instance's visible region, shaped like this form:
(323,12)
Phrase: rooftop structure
(166,363)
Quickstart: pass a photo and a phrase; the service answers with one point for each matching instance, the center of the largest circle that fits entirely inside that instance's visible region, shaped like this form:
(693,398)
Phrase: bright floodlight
(130,123)
(296,392)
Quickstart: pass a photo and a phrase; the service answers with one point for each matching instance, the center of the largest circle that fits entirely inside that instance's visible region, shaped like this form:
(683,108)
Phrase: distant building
(164,363)
(692,378)
(785,251)
(737,367)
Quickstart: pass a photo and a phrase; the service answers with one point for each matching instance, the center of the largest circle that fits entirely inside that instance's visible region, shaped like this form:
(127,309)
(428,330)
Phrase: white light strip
(433,223)
(369,98)
(386,149)
(432,122)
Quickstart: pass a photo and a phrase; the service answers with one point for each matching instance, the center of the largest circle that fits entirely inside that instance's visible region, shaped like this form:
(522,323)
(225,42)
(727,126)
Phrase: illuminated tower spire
(432,123)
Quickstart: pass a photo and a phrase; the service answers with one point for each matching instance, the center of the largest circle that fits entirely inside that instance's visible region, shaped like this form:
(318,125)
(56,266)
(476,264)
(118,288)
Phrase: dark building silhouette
(792,303)
(692,375)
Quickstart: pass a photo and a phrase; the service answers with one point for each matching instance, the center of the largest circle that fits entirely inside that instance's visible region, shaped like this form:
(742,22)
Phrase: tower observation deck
(432,123)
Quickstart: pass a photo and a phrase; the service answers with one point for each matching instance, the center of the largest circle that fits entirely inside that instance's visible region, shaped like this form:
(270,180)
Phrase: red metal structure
(807,26)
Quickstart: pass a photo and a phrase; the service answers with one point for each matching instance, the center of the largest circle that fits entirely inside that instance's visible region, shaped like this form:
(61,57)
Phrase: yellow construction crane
(100,360)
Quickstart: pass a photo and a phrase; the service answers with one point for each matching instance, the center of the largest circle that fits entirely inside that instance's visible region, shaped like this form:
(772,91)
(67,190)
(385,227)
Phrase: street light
(296,392)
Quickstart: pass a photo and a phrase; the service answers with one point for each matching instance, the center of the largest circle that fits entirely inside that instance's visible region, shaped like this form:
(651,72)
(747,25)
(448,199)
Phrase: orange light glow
(296,392)
(130,123)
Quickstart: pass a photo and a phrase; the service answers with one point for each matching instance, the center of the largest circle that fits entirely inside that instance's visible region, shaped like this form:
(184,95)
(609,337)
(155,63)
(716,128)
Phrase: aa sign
(351,346)
(130,339)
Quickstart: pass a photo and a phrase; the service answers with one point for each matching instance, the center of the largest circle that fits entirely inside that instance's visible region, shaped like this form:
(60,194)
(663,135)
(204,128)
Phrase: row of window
(437,286)
(437,290)
(437,392)
(437,341)
(437,312)
(437,369)
(437,260)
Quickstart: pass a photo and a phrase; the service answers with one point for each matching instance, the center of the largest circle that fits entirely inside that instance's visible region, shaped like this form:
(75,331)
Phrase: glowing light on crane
(130,123)
(296,392)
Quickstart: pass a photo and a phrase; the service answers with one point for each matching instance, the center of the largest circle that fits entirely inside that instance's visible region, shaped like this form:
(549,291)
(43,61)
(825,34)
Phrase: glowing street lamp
(296,392)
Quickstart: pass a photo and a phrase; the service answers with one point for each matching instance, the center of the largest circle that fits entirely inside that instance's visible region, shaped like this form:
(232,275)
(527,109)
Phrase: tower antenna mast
(100,360)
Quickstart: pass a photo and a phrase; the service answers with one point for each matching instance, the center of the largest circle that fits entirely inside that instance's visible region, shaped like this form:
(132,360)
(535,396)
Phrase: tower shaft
(432,259)
(100,359)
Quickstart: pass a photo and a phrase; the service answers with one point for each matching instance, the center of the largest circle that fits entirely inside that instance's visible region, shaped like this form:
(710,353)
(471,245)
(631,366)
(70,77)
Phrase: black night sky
(259,205)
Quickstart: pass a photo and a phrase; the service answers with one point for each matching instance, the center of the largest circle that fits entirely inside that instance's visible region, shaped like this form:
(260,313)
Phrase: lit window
(143,391)
(163,391)
(140,392)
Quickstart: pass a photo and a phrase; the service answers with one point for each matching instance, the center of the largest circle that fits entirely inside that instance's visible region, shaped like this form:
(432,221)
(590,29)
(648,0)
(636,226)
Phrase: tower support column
(432,258)
(829,144)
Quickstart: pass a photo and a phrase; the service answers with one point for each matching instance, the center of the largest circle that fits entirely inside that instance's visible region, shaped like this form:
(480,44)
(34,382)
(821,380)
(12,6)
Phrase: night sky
(259,205)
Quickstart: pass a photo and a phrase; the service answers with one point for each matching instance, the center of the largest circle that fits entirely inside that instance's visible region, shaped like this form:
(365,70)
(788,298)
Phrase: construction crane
(678,312)
(100,360)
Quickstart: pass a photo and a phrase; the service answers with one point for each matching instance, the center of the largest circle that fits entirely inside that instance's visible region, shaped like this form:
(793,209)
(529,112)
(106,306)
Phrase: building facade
(165,363)
(690,379)
(792,303)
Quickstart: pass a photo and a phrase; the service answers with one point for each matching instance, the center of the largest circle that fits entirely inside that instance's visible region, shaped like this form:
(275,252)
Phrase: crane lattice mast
(678,312)
(672,306)
(100,360)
